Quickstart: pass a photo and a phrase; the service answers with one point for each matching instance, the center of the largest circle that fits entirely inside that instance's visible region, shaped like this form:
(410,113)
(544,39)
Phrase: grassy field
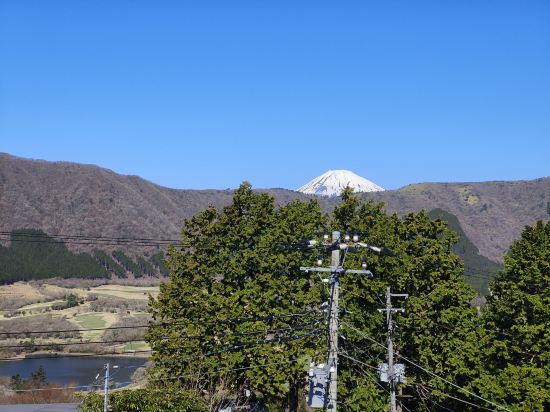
(24,305)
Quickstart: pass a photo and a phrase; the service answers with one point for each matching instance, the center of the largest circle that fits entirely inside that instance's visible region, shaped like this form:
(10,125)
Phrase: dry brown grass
(105,305)
(46,394)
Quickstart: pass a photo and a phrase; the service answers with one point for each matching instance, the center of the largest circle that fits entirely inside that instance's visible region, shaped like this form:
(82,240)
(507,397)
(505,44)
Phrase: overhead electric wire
(80,355)
(61,388)
(45,345)
(374,380)
(453,384)
(167,323)
(361,351)
(230,334)
(224,370)
(439,392)
(228,346)
(125,241)
(345,355)
(429,372)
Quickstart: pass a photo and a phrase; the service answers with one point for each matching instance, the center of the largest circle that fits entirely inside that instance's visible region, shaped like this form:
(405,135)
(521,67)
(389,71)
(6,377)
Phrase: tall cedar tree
(234,265)
(517,319)
(439,329)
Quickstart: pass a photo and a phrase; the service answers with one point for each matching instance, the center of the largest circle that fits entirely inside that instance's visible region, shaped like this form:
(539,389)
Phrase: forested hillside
(477,268)
(31,254)
(265,320)
(63,198)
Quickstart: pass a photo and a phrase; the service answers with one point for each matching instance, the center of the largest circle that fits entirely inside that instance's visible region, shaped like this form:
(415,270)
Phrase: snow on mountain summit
(333,182)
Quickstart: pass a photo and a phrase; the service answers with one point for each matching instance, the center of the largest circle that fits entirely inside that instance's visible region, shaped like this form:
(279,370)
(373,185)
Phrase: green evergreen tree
(517,319)
(34,255)
(233,265)
(438,330)
(38,378)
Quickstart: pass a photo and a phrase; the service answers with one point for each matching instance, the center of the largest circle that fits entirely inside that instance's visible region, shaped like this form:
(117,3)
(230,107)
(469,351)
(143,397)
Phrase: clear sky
(206,94)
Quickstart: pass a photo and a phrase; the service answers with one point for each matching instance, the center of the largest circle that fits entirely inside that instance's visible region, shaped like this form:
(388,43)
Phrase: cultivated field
(61,305)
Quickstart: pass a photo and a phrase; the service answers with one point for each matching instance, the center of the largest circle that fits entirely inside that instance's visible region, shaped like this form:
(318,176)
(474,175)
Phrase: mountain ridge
(70,198)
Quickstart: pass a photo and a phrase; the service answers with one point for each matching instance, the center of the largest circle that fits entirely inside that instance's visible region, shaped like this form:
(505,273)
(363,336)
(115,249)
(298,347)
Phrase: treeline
(478,269)
(33,255)
(263,322)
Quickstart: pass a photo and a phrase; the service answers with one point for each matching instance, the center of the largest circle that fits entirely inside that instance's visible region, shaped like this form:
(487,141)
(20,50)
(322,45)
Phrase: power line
(39,345)
(429,372)
(121,241)
(166,323)
(454,384)
(66,236)
(345,355)
(226,370)
(227,348)
(80,355)
(223,370)
(375,380)
(230,334)
(452,397)
(65,388)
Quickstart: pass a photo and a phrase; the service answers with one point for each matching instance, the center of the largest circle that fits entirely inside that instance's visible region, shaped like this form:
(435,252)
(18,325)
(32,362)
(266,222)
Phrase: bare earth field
(62,305)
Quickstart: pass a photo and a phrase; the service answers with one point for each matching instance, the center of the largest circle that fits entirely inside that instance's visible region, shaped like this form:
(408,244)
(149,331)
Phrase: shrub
(169,399)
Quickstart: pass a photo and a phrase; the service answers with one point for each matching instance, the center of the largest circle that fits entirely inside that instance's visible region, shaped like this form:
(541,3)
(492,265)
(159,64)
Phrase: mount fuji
(333,182)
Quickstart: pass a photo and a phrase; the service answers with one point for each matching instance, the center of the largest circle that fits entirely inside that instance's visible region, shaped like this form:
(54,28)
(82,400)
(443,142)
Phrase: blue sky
(206,94)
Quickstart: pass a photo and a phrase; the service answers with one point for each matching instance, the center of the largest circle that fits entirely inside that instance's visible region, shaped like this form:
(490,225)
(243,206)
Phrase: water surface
(66,370)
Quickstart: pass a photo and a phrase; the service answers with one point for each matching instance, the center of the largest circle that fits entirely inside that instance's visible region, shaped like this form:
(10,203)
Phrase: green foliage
(439,328)
(109,264)
(477,268)
(238,269)
(33,255)
(158,262)
(146,267)
(71,302)
(167,399)
(127,263)
(37,380)
(517,320)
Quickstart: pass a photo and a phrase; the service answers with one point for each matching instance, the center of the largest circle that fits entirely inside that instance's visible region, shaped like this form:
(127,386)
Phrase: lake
(66,370)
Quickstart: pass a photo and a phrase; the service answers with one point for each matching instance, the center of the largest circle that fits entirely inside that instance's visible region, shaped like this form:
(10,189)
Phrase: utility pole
(333,326)
(335,270)
(106,390)
(395,373)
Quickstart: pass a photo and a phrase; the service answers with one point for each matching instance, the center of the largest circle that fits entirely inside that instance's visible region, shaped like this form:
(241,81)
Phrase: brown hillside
(492,214)
(69,198)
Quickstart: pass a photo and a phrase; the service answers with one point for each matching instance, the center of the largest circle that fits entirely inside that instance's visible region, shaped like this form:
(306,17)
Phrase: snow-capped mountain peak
(333,182)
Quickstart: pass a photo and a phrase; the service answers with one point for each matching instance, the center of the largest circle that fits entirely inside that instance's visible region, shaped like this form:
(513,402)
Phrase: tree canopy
(237,310)
(517,320)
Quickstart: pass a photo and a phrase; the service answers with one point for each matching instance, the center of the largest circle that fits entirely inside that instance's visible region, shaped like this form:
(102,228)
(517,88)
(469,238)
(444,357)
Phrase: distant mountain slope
(492,214)
(70,198)
(477,268)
